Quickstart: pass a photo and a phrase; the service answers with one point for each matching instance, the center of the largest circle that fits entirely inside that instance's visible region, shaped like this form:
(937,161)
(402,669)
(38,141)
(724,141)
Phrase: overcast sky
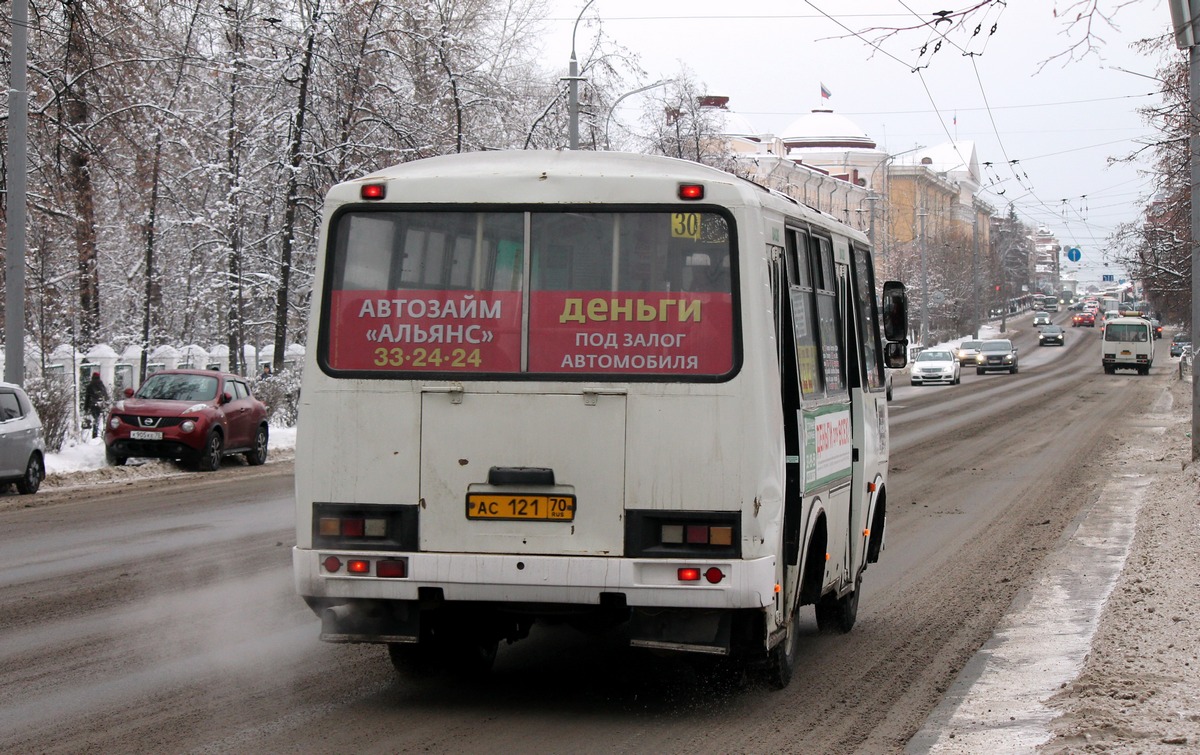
(1061,124)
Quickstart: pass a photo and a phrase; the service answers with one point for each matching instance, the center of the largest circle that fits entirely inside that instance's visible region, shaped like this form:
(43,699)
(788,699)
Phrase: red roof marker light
(373,191)
(691,191)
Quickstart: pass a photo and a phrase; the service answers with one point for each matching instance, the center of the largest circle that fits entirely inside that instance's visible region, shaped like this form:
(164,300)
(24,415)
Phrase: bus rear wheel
(461,653)
(837,615)
(781,659)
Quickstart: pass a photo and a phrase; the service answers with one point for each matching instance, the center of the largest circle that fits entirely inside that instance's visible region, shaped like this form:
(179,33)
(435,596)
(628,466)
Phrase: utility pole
(975,272)
(924,282)
(1184,15)
(14,264)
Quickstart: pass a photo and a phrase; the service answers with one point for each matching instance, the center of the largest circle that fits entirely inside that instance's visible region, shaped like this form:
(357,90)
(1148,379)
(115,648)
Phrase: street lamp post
(573,79)
(612,109)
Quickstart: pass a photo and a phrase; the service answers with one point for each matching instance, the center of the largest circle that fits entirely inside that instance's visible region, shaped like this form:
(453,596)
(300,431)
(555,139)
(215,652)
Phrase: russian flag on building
(825,93)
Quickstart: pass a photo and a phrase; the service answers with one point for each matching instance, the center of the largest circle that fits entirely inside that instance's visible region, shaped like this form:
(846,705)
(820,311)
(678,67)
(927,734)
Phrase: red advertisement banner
(425,331)
(631,333)
(584,332)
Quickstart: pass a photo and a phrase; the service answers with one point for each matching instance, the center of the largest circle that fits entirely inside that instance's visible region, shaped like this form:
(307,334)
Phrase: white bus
(607,389)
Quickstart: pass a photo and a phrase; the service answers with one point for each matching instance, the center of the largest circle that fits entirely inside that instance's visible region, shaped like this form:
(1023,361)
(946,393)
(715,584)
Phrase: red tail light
(390,568)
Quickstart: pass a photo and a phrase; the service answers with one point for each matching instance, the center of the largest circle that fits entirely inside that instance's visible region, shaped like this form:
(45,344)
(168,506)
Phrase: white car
(22,448)
(936,366)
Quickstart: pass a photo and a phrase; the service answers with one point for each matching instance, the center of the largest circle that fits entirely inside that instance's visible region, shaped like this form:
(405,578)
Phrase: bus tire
(461,653)
(781,659)
(837,615)
(413,659)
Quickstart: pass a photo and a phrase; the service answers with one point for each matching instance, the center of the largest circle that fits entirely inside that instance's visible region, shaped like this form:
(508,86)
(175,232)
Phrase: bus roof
(560,176)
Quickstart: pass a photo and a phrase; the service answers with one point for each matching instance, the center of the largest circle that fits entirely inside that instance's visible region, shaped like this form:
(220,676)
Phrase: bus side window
(804,319)
(868,322)
(828,316)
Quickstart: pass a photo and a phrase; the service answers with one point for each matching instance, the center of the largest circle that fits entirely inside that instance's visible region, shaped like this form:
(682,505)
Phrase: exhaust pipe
(371,621)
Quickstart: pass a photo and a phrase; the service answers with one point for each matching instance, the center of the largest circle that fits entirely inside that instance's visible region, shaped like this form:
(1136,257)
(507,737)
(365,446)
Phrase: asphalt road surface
(159,616)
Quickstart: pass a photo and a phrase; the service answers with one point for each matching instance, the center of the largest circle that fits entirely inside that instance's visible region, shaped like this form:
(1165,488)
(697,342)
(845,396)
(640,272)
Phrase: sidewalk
(1102,652)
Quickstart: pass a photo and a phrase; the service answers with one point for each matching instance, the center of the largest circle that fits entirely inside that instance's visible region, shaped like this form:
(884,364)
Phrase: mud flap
(683,629)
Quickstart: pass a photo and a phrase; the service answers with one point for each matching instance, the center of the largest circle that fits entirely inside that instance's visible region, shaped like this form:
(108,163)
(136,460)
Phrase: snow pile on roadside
(1140,687)
(82,462)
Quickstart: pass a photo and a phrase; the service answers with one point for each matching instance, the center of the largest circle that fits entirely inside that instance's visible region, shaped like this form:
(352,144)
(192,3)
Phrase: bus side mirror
(895,354)
(895,311)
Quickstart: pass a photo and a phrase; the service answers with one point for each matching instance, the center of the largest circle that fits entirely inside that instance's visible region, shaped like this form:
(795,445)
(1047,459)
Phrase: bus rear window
(632,294)
(1119,331)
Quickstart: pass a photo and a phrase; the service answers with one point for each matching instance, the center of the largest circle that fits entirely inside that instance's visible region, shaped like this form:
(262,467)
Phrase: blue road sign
(1073,254)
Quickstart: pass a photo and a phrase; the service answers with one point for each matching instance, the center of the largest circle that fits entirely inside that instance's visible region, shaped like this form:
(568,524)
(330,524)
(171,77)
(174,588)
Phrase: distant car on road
(936,366)
(1041,318)
(967,351)
(1083,319)
(1157,327)
(1052,334)
(199,416)
(1181,343)
(997,354)
(22,447)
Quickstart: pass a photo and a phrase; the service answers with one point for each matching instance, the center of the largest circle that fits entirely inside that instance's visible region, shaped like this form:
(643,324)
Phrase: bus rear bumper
(562,580)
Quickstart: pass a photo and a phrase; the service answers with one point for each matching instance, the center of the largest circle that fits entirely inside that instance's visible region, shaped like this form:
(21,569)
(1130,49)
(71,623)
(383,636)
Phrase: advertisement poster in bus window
(631,332)
(806,342)
(425,331)
(831,357)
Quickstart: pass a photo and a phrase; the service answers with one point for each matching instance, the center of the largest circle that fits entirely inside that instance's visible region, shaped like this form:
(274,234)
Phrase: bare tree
(1156,249)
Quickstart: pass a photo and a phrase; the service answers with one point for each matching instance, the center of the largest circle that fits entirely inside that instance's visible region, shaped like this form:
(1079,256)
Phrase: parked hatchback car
(1051,334)
(22,447)
(1181,343)
(935,366)
(996,354)
(198,416)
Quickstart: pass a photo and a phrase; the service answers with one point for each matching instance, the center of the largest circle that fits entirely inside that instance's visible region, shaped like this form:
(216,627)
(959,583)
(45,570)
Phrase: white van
(1128,343)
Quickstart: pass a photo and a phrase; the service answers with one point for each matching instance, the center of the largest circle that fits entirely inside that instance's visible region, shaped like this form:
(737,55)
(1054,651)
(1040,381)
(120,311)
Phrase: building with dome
(765,159)
(921,207)
(835,144)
